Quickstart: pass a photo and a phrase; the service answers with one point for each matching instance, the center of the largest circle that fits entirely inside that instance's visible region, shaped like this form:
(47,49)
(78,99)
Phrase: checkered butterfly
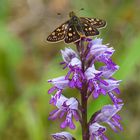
(76,27)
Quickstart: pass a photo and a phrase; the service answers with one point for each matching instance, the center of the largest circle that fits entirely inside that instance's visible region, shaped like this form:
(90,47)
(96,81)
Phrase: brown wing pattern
(96,23)
(88,29)
(71,35)
(58,34)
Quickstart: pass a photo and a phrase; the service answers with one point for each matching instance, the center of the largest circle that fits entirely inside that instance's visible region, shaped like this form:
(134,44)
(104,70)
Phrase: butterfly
(75,28)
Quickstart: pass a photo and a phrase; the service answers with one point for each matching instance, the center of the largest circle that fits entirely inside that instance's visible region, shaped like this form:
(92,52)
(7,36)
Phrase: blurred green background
(27,61)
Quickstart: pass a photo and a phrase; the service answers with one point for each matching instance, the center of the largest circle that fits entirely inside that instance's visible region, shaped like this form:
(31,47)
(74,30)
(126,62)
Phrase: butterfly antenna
(59,14)
(82,9)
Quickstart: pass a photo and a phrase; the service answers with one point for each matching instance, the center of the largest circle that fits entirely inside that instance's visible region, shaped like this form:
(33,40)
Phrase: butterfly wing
(87,28)
(59,33)
(96,23)
(71,35)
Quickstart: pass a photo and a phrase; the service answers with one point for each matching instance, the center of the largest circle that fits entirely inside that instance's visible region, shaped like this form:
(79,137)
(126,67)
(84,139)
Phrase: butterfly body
(75,21)
(75,28)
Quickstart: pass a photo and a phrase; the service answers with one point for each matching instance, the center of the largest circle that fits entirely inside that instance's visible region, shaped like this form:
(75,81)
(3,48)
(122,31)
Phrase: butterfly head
(73,18)
(72,14)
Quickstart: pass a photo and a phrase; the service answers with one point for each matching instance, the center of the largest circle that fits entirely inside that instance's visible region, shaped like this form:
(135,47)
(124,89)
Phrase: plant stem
(84,99)
(84,114)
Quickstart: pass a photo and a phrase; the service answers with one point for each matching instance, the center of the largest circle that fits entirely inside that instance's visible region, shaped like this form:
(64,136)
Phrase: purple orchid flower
(70,58)
(97,132)
(108,114)
(59,83)
(62,136)
(67,107)
(90,71)
(101,53)
(72,61)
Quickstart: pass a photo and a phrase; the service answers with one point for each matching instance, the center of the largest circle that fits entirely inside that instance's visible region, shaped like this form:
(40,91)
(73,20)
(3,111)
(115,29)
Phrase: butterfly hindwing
(96,23)
(58,34)
(71,34)
(88,29)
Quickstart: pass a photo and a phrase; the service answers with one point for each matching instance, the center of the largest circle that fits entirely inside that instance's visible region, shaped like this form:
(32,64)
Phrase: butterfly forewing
(96,23)
(72,34)
(59,33)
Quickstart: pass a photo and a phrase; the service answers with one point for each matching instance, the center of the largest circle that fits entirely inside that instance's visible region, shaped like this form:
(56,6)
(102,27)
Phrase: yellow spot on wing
(90,28)
(58,30)
(54,37)
(95,22)
(69,34)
